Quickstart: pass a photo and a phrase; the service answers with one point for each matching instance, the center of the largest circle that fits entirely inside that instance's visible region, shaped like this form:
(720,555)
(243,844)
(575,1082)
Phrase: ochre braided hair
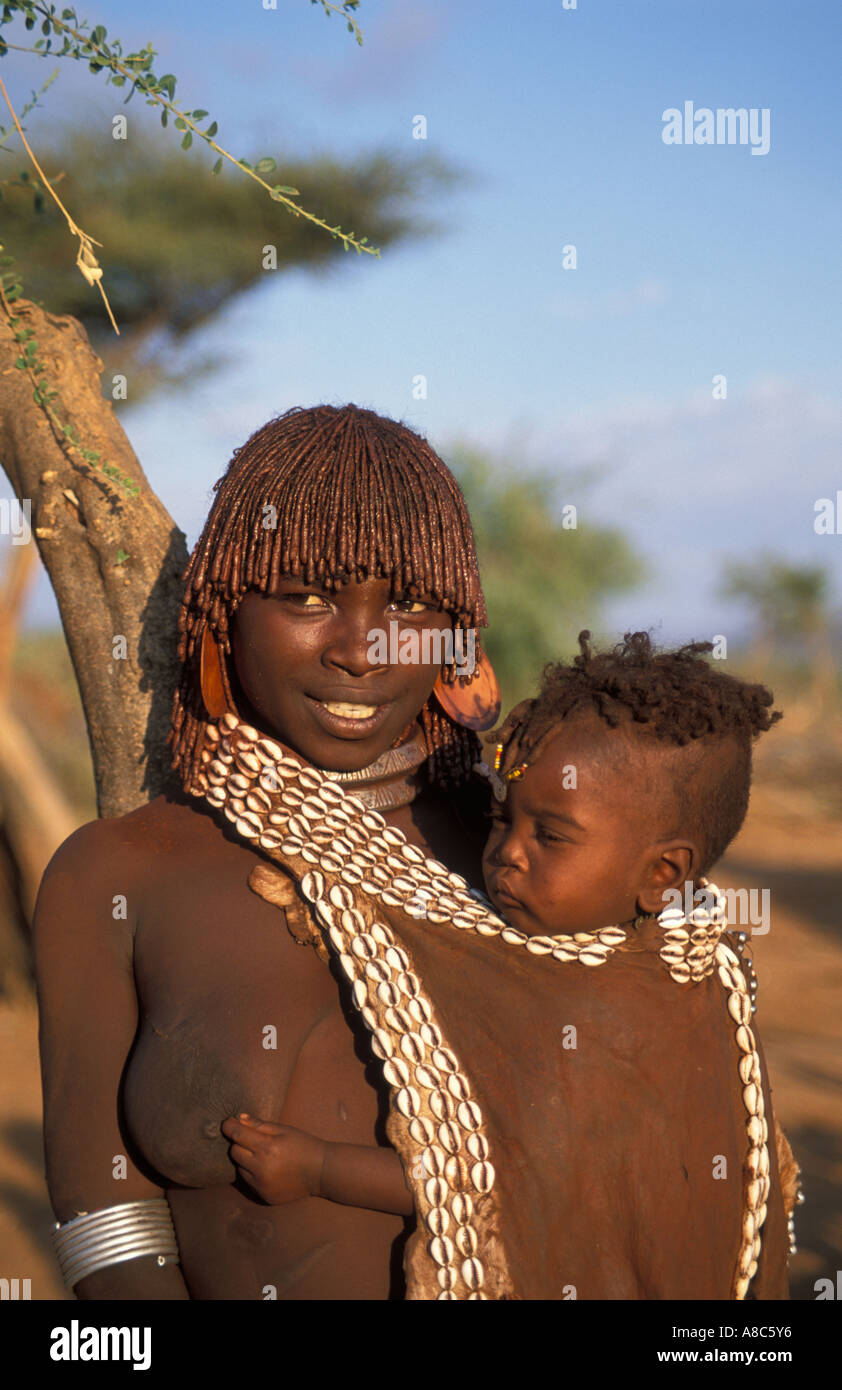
(675,696)
(330,494)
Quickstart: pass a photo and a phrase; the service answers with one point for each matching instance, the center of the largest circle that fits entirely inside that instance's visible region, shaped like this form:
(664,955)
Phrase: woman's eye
(306,600)
(409,605)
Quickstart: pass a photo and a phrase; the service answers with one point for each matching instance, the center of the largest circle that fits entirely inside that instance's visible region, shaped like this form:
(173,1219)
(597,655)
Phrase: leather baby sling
(565,1132)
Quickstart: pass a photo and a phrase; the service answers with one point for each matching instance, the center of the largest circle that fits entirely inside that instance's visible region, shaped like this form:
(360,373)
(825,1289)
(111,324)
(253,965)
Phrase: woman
(171,995)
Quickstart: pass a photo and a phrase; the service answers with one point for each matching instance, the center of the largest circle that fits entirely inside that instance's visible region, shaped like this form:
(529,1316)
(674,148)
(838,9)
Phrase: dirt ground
(783,847)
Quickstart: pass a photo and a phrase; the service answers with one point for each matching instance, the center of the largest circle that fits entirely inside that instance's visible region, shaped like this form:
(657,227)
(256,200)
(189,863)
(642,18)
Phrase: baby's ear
(668,867)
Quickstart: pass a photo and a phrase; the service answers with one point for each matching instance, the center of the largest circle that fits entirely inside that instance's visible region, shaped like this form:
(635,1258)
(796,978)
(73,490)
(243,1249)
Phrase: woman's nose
(350,646)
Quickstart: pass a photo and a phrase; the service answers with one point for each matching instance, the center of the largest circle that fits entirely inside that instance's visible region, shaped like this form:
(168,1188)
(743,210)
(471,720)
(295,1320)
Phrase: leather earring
(475,705)
(211,677)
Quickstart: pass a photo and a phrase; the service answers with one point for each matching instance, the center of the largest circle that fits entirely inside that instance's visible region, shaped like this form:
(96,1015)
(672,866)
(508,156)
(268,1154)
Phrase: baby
(616,789)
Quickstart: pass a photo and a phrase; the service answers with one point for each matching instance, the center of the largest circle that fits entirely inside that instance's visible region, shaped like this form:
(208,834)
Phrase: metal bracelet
(93,1240)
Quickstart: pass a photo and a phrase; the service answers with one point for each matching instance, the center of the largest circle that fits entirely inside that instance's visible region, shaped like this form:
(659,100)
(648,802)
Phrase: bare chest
(235,1016)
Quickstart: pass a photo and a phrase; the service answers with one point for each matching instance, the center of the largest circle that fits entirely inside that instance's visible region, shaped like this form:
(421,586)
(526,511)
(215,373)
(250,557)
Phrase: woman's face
(302,660)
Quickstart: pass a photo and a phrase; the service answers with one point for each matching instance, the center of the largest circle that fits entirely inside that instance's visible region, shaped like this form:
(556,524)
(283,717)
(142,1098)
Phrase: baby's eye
(547,837)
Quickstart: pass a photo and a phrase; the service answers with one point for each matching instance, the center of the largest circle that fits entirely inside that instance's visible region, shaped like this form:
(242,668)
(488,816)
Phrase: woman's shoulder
(96,882)
(164,825)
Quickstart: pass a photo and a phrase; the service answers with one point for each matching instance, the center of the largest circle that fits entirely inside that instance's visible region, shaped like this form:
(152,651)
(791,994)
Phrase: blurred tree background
(792,620)
(544,579)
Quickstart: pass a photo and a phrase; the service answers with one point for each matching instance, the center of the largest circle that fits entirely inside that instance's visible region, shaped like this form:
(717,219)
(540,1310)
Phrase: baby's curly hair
(675,698)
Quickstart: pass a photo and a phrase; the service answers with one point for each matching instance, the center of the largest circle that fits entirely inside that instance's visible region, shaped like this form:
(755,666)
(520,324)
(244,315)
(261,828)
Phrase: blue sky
(693,261)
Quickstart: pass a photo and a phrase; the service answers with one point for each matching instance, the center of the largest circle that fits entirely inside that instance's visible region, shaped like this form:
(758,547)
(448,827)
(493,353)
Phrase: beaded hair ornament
(498,783)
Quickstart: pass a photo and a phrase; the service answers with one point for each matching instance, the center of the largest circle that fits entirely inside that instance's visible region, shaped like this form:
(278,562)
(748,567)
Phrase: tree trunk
(81,520)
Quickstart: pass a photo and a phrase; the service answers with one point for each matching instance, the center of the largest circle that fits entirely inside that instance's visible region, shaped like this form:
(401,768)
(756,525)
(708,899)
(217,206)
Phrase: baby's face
(571,846)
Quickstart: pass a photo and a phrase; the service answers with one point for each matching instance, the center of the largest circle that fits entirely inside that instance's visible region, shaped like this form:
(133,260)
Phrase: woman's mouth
(346,711)
(347,719)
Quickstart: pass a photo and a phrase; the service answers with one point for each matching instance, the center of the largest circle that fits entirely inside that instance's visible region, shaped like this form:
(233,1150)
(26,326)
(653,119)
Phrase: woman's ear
(668,867)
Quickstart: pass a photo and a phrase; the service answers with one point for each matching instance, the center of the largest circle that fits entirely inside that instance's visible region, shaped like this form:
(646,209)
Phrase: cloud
(611,304)
(774,428)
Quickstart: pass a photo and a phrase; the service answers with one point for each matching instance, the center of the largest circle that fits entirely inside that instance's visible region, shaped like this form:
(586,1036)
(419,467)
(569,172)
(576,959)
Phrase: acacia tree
(182,243)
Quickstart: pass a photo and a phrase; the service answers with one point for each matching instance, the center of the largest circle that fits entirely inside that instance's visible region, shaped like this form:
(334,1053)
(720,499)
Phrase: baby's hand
(282,1164)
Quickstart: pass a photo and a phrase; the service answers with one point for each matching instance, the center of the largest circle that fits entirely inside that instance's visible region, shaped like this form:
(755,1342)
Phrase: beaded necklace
(347,859)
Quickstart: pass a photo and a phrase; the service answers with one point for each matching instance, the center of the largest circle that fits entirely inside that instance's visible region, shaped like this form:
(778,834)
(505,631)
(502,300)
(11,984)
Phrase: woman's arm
(88,1005)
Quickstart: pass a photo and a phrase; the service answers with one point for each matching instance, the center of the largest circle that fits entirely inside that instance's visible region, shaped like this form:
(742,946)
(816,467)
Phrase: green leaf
(187,141)
(198,115)
(180,123)
(285,188)
(265,166)
(163,113)
(211,130)
(122,556)
(217,168)
(98,34)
